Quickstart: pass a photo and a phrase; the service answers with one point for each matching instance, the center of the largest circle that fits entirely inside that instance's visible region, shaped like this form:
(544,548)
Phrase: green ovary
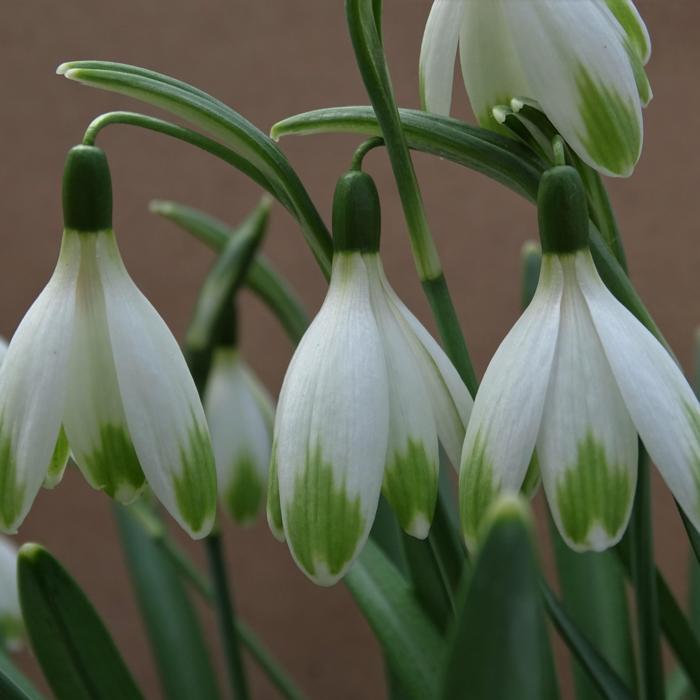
(113,466)
(477,489)
(245,492)
(11,490)
(195,485)
(612,134)
(410,486)
(593,493)
(324,525)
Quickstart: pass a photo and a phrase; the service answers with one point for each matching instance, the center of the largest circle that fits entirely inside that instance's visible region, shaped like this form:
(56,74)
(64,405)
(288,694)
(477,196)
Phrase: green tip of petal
(323,523)
(244,495)
(195,485)
(593,499)
(12,491)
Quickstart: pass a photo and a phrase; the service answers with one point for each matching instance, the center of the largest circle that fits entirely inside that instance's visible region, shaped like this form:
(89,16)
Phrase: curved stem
(363,149)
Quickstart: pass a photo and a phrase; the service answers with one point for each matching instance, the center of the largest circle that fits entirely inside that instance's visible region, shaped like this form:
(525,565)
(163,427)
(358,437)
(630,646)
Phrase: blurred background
(269,60)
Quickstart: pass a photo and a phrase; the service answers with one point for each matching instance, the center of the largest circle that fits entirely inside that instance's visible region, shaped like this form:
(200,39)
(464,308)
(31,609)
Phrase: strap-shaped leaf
(213,116)
(181,655)
(73,647)
(262,279)
(500,617)
(411,644)
(14,685)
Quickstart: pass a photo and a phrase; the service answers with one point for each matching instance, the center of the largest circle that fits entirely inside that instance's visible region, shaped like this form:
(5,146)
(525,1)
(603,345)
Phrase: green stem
(226,616)
(363,149)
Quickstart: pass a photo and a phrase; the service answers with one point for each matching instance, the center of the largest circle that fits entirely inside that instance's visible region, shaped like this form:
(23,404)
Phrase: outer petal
(438,53)
(449,397)
(163,411)
(11,624)
(490,65)
(331,430)
(662,405)
(94,419)
(587,447)
(633,26)
(508,408)
(240,434)
(413,455)
(580,73)
(33,381)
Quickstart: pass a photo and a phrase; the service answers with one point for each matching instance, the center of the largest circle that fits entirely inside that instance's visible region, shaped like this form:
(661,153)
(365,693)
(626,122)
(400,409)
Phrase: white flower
(364,401)
(93,360)
(576,380)
(11,623)
(240,413)
(581,62)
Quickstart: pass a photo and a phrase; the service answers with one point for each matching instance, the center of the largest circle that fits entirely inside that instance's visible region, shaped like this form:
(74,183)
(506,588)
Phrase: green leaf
(14,685)
(499,646)
(593,590)
(261,279)
(181,655)
(72,645)
(213,116)
(411,644)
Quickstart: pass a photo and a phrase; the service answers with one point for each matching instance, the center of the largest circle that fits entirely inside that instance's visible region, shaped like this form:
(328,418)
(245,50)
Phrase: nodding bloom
(576,380)
(581,63)
(11,623)
(240,413)
(93,368)
(366,398)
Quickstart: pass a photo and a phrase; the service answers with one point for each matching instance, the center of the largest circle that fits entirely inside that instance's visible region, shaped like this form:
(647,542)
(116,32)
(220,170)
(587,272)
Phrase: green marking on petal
(612,135)
(477,489)
(244,496)
(410,486)
(630,23)
(274,508)
(113,465)
(11,490)
(694,420)
(11,630)
(593,493)
(533,478)
(324,524)
(59,459)
(195,485)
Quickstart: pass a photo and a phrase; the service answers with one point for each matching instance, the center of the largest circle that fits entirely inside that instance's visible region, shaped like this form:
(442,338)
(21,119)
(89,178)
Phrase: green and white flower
(576,380)
(94,367)
(582,63)
(240,413)
(367,396)
(11,623)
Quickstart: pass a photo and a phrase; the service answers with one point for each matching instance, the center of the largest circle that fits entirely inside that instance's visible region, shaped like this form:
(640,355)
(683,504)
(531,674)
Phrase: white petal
(447,393)
(3,349)
(662,405)
(240,434)
(11,624)
(579,72)
(94,419)
(163,411)
(633,26)
(33,381)
(587,447)
(490,65)
(438,53)
(332,427)
(413,455)
(507,412)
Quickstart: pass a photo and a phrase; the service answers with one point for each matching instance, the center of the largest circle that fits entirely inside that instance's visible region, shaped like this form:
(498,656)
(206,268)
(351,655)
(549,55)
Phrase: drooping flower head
(582,63)
(366,398)
(575,381)
(93,367)
(240,413)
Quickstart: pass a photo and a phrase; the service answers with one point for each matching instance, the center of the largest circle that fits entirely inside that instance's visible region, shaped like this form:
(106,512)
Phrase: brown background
(269,59)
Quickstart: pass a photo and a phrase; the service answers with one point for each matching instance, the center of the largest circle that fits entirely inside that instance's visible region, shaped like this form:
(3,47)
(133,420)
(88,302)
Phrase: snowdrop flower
(581,62)
(11,624)
(240,413)
(93,361)
(577,379)
(364,401)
